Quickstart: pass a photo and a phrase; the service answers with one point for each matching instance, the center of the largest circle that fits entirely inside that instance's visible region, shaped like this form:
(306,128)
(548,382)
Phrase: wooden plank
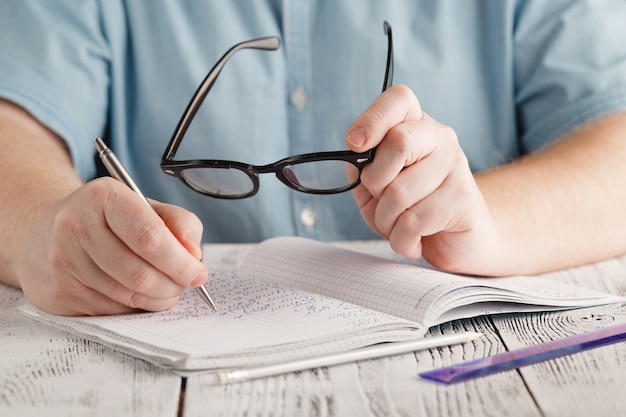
(47,372)
(586,383)
(44,371)
(390,387)
(380,387)
(583,384)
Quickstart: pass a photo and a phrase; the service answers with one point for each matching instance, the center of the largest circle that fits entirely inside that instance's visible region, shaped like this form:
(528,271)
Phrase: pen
(370,352)
(117,171)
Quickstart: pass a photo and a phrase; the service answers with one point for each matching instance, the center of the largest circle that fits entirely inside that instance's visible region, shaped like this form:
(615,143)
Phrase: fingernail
(357,137)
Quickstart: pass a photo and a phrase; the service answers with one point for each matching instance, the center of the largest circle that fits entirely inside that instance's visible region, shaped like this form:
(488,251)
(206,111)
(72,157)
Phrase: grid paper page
(416,293)
(390,287)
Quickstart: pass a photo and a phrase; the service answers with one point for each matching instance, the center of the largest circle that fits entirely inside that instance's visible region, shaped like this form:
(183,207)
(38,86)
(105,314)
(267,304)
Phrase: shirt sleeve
(570,66)
(54,62)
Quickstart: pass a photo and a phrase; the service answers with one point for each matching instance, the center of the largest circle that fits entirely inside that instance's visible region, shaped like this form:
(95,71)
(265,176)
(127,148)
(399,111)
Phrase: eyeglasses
(313,173)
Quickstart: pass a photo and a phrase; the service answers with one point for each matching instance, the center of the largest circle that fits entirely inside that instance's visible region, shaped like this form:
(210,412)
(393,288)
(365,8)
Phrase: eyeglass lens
(219,182)
(322,175)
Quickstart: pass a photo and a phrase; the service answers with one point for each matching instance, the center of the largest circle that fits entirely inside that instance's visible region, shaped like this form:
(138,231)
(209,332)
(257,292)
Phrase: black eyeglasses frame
(177,168)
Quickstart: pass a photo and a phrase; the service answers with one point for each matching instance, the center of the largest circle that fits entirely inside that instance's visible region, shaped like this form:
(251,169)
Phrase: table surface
(44,371)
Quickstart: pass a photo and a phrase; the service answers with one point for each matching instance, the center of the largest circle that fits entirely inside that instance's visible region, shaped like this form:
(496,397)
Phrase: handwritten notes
(256,319)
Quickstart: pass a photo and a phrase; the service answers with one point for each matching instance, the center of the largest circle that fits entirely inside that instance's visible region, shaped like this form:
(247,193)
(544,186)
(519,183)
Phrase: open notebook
(294,298)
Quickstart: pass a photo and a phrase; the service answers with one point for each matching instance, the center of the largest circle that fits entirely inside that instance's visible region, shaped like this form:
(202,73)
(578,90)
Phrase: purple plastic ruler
(527,356)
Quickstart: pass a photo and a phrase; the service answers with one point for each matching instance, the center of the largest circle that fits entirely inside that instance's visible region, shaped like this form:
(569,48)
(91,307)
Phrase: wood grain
(50,373)
(589,383)
(380,387)
(47,372)
(586,383)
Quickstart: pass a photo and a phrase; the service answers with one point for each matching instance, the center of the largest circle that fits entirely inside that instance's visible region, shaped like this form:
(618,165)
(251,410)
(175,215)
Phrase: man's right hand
(102,250)
(86,249)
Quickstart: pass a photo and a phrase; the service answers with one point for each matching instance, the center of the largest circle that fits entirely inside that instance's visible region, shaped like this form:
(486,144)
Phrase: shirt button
(299,98)
(308,217)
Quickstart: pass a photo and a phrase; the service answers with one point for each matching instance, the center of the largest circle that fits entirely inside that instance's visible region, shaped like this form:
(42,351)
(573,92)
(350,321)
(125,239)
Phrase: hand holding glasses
(313,173)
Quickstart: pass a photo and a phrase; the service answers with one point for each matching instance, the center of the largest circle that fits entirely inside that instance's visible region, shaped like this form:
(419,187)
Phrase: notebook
(294,298)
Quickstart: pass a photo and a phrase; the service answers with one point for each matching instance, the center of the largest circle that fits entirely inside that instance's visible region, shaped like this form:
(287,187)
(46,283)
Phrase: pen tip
(204,294)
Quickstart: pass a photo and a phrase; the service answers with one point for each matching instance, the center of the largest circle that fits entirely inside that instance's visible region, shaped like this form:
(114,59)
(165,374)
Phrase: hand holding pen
(117,171)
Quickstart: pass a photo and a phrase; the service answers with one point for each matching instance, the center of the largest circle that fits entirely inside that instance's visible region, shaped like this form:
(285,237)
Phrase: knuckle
(167,304)
(141,280)
(367,179)
(182,273)
(409,247)
(58,260)
(372,183)
(397,148)
(399,140)
(405,95)
(67,222)
(397,193)
(60,266)
(451,142)
(61,291)
(100,191)
(150,238)
(448,133)
(377,116)
(403,92)
(397,97)
(56,291)
(459,159)
(408,221)
(138,300)
(465,192)
(193,220)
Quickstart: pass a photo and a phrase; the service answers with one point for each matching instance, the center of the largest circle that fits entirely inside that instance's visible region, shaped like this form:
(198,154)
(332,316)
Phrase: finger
(72,298)
(118,274)
(185,225)
(141,229)
(112,262)
(417,181)
(441,211)
(395,105)
(404,145)
(413,184)
(367,205)
(131,300)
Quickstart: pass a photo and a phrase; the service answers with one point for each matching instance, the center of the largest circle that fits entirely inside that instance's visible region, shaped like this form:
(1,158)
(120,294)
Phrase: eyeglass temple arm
(388,81)
(268,43)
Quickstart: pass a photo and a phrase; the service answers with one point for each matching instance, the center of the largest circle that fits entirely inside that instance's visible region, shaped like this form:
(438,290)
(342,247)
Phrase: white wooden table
(46,372)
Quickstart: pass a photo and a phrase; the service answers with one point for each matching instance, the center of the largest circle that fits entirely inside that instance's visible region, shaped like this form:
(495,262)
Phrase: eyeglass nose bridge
(283,171)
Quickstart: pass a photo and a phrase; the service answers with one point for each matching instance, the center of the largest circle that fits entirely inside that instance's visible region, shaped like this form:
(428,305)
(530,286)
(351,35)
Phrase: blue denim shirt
(508,76)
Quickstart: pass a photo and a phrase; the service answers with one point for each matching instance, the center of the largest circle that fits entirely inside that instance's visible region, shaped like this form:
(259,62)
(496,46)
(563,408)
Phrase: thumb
(394,106)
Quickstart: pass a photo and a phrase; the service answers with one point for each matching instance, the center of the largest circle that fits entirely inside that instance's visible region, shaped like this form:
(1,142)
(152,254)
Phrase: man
(499,150)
